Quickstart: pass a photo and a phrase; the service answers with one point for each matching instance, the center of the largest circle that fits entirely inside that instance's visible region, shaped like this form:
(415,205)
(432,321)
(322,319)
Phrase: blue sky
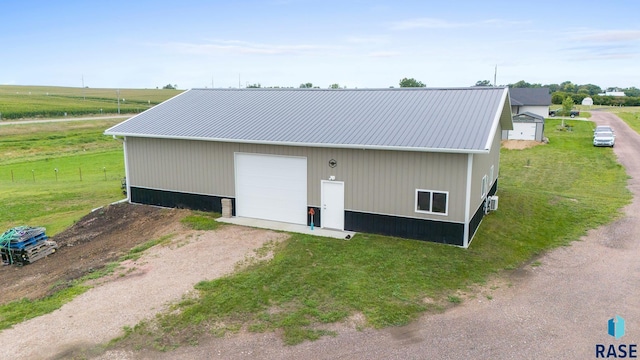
(364,44)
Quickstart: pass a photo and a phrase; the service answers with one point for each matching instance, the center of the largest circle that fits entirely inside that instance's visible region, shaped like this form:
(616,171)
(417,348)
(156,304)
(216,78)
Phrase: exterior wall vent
(492,203)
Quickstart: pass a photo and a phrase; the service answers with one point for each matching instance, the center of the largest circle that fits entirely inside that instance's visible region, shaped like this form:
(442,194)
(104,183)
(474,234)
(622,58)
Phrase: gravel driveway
(558,310)
(143,288)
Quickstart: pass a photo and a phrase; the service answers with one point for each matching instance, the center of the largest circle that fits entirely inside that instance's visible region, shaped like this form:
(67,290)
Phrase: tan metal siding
(376,181)
(178,165)
(482,166)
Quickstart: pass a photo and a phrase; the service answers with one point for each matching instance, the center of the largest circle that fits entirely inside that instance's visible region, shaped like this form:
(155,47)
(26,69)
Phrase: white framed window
(483,191)
(432,202)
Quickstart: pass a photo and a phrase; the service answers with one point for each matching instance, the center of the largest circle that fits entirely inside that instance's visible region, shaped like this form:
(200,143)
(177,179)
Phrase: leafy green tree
(171,87)
(568,86)
(483,83)
(632,91)
(557,97)
(520,84)
(601,100)
(567,105)
(553,88)
(306,85)
(406,82)
(593,89)
(254,86)
(334,86)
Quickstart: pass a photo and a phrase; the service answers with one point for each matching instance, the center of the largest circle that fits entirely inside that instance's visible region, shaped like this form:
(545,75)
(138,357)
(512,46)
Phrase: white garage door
(523,131)
(271,187)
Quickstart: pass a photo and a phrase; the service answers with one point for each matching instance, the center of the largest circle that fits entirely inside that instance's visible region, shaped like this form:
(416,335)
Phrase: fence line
(60,174)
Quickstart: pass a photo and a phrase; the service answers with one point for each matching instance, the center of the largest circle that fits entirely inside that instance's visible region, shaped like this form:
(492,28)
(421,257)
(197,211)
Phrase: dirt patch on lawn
(137,290)
(96,240)
(520,144)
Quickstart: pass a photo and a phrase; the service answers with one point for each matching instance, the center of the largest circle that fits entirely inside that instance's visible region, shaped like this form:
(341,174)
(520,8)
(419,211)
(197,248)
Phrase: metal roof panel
(407,118)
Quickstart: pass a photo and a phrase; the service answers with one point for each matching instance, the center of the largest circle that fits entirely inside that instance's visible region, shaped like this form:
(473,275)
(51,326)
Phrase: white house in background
(531,100)
(613,93)
(529,107)
(412,162)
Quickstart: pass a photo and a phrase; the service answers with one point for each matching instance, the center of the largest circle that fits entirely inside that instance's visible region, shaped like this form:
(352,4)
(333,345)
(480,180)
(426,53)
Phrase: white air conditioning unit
(492,203)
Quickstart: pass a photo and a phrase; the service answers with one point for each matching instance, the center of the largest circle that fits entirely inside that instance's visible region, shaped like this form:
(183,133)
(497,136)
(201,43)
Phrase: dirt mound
(95,240)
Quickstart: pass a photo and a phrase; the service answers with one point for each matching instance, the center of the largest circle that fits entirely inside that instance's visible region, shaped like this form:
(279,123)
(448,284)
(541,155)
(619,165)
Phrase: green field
(629,114)
(632,119)
(89,166)
(18,102)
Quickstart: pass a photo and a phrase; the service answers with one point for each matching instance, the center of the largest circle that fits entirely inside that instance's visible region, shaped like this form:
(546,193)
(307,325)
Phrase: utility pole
(118,95)
(83,96)
(495,75)
(239,86)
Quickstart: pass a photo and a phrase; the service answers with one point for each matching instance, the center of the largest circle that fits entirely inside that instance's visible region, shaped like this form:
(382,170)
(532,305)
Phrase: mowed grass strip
(550,195)
(23,310)
(28,142)
(632,119)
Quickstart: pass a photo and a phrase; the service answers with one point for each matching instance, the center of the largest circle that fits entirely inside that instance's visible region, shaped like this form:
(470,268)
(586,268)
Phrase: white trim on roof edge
(324,145)
(497,119)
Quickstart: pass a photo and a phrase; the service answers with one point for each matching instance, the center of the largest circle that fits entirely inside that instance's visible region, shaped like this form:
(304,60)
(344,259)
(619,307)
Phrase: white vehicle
(604,138)
(602,128)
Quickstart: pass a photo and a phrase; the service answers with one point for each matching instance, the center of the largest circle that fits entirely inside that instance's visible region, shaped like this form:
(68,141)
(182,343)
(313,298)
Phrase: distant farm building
(613,93)
(529,107)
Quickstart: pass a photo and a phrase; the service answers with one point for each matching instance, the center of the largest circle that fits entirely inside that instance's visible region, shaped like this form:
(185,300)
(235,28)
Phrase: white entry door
(332,214)
(271,187)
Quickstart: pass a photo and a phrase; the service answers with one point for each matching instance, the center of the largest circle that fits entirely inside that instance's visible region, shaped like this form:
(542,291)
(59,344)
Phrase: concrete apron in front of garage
(294,228)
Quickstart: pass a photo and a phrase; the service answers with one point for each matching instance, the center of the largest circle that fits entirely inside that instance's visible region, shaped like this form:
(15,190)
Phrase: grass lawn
(549,197)
(630,114)
(632,119)
(89,167)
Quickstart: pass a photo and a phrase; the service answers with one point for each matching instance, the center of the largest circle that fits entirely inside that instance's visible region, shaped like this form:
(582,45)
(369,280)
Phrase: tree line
(559,92)
(404,82)
(567,89)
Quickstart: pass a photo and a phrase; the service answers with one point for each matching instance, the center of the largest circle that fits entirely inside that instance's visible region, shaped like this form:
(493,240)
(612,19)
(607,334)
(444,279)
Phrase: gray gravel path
(38,121)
